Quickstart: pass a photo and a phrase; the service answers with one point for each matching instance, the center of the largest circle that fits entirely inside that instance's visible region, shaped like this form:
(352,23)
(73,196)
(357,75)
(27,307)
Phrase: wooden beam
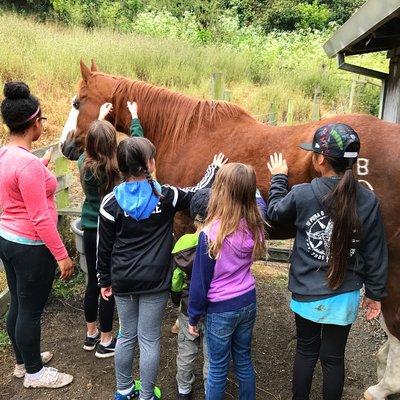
(391,106)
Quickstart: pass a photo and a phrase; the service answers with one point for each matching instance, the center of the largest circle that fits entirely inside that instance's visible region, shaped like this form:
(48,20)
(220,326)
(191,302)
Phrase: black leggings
(323,341)
(92,294)
(30,273)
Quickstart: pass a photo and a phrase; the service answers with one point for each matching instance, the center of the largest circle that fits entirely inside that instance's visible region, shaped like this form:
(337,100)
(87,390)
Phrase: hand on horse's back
(133,108)
(220,159)
(105,109)
(277,164)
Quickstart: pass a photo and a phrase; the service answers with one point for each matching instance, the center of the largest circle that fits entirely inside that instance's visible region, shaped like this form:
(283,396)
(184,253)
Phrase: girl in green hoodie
(99,174)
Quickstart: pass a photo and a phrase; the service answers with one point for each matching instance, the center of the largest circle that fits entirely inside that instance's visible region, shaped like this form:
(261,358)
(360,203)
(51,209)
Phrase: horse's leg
(381,359)
(390,381)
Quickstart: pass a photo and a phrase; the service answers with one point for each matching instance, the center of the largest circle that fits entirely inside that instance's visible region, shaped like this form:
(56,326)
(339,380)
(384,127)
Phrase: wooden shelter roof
(374,27)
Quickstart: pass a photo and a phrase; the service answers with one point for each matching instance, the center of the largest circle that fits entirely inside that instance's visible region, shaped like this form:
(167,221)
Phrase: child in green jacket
(183,257)
(98,178)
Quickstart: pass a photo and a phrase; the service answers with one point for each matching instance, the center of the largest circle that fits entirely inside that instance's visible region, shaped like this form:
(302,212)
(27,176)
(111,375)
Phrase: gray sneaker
(51,379)
(20,371)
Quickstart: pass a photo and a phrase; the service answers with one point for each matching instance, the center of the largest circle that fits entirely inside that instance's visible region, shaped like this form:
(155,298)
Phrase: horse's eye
(76,103)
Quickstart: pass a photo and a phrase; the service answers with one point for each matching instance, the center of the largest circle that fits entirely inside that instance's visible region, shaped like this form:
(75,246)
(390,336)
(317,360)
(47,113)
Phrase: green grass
(259,69)
(281,281)
(69,290)
(4,339)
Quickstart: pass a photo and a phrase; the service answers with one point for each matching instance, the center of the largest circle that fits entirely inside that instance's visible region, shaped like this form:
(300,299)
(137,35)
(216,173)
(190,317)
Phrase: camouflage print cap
(335,140)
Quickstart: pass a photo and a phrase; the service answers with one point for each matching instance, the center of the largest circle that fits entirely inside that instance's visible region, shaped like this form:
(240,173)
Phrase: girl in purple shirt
(222,287)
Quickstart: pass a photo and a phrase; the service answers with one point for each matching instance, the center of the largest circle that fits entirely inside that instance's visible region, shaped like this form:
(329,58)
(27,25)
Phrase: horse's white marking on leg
(390,382)
(70,124)
(369,186)
(362,166)
(381,359)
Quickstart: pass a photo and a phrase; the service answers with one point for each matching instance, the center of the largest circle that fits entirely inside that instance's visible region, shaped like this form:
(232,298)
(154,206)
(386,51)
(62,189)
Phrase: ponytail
(133,154)
(341,204)
(151,182)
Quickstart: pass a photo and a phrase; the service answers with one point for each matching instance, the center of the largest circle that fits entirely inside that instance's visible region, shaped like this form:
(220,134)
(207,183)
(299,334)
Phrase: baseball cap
(199,203)
(334,140)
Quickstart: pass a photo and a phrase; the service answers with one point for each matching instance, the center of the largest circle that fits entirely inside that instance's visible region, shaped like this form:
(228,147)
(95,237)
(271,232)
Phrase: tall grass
(258,69)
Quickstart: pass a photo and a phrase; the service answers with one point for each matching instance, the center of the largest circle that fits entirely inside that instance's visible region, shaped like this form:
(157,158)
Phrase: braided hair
(133,155)
(19,109)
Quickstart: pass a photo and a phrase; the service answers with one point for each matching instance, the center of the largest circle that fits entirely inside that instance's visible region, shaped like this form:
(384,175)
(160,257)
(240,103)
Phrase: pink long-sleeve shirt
(27,190)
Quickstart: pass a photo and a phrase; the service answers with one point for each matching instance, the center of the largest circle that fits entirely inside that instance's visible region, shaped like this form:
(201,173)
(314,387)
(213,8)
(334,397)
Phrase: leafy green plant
(4,339)
(68,290)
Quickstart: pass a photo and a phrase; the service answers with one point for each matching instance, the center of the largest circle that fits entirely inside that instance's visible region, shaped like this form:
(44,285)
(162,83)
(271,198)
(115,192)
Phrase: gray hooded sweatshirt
(303,206)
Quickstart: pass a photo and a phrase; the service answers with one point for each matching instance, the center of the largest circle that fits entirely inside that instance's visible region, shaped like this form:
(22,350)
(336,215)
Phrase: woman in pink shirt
(30,245)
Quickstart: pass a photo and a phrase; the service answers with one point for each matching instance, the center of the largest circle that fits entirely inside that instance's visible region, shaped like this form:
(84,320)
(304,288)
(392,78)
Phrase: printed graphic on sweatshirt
(319,233)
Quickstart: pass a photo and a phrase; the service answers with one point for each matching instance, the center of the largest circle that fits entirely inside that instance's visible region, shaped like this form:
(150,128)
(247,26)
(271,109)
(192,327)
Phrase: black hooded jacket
(134,256)
(303,206)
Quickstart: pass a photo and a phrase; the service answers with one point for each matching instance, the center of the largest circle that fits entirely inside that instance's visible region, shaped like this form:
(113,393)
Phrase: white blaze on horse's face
(70,124)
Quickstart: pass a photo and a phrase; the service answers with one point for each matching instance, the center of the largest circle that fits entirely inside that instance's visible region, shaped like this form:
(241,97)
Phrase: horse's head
(94,89)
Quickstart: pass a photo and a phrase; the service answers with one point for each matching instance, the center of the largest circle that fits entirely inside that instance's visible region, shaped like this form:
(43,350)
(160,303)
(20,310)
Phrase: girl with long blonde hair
(222,288)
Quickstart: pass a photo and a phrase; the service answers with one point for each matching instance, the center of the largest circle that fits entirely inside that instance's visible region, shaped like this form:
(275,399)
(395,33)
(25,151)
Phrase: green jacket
(183,257)
(90,185)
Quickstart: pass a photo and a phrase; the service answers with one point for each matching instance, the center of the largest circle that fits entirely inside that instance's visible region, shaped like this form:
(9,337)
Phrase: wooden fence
(64,180)
(219,92)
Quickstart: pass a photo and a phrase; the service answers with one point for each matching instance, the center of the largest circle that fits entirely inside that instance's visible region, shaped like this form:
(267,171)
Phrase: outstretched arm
(202,274)
(281,203)
(182,196)
(136,127)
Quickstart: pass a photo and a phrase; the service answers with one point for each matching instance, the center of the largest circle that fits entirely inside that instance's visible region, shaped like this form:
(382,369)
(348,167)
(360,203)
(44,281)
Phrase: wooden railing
(64,180)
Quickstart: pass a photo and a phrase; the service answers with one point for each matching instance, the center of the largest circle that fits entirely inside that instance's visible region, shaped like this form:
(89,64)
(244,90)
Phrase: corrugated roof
(374,27)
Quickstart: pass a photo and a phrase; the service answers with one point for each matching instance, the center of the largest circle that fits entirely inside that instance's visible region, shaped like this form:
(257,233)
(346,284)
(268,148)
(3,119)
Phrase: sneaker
(20,371)
(51,379)
(106,351)
(157,390)
(91,342)
(132,395)
(181,396)
(175,327)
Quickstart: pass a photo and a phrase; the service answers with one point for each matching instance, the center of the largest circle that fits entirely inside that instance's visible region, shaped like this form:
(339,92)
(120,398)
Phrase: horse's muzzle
(70,150)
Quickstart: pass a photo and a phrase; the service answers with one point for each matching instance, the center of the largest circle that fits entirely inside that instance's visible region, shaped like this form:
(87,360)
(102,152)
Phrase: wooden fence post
(272,117)
(217,86)
(61,169)
(290,111)
(352,94)
(315,112)
(227,95)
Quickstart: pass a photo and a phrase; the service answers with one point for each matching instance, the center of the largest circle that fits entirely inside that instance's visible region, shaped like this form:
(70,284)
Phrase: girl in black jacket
(340,246)
(134,259)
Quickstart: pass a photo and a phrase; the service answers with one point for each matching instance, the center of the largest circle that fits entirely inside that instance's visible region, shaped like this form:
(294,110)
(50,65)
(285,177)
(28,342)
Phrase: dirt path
(274,342)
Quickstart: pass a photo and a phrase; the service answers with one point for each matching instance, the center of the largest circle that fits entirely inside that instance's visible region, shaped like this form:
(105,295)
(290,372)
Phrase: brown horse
(188,131)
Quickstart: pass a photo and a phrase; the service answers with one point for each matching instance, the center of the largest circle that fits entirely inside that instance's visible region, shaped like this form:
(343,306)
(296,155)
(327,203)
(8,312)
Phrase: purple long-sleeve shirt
(224,284)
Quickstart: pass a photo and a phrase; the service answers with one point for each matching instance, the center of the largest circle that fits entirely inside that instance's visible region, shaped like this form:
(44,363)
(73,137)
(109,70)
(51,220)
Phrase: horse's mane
(172,116)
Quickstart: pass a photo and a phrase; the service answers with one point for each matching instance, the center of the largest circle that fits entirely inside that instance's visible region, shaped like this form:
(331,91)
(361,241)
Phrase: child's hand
(47,155)
(193,330)
(106,292)
(277,164)
(373,308)
(105,109)
(219,160)
(132,107)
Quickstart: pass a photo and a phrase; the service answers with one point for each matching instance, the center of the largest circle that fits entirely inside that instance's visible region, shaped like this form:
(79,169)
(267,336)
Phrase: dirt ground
(274,343)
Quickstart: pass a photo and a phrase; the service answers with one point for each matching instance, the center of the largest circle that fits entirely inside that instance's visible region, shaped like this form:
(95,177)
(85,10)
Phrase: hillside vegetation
(260,69)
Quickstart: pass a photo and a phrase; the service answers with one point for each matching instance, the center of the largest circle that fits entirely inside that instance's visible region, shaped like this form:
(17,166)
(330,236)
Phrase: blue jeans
(230,333)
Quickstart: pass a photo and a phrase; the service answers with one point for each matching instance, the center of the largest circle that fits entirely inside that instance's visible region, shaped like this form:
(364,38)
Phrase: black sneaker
(180,396)
(106,351)
(91,342)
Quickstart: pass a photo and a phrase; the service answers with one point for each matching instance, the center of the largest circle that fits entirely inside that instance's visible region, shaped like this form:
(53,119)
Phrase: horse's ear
(85,71)
(93,68)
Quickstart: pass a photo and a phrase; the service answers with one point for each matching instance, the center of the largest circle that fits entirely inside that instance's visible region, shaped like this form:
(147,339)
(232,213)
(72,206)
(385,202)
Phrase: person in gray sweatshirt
(340,246)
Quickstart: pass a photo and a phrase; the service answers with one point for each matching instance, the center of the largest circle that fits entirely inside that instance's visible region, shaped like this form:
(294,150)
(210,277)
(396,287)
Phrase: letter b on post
(362,166)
